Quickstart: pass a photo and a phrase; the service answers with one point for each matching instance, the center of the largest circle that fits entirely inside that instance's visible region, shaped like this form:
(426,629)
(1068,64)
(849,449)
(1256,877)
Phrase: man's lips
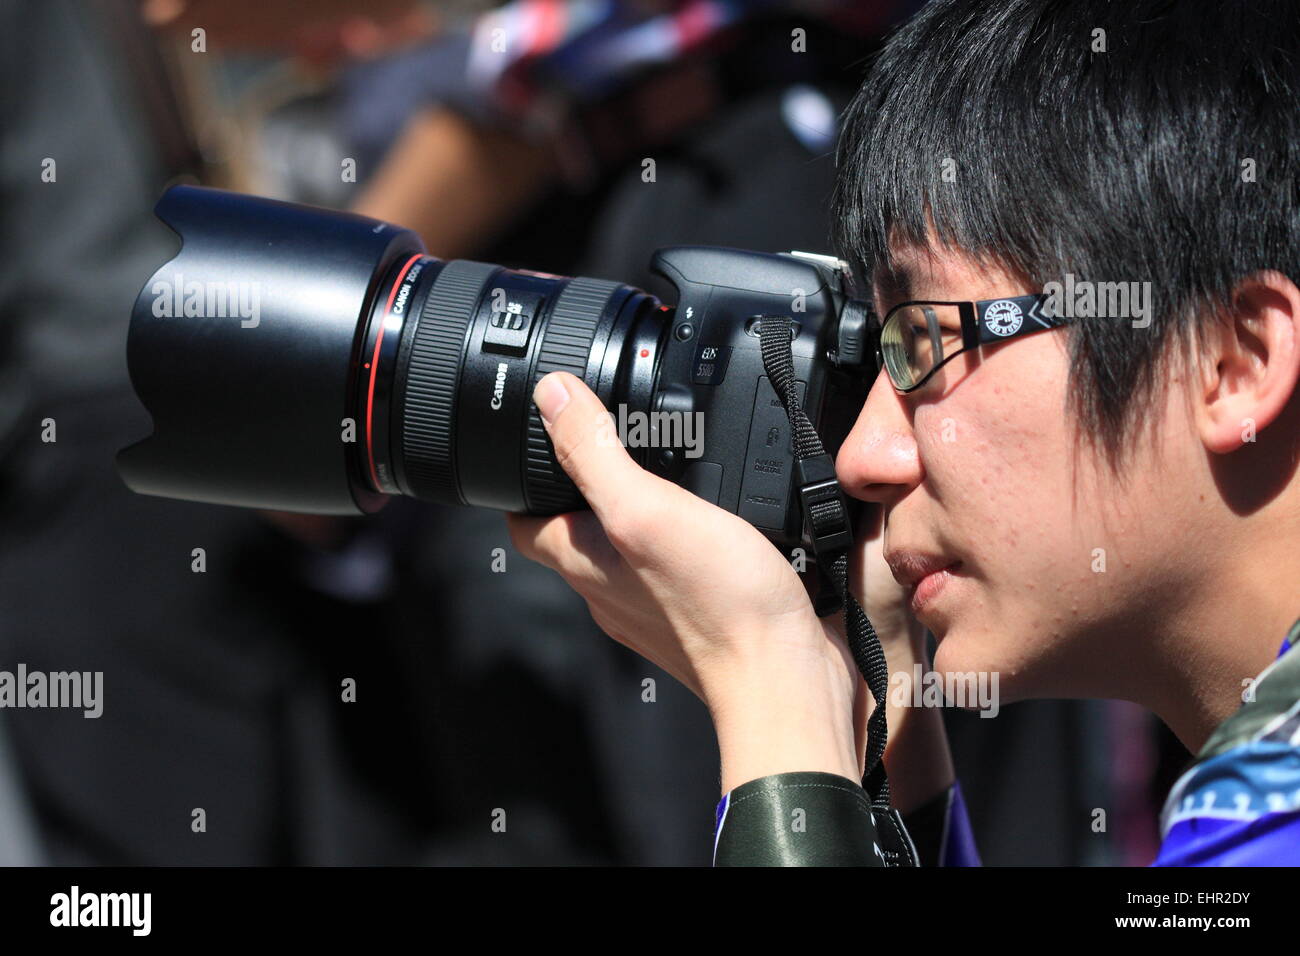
(909,567)
(923,574)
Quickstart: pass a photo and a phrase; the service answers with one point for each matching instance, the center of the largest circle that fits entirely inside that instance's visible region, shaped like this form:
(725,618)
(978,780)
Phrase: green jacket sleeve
(806,819)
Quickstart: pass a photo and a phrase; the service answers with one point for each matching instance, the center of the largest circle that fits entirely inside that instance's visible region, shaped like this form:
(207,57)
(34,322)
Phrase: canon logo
(499,388)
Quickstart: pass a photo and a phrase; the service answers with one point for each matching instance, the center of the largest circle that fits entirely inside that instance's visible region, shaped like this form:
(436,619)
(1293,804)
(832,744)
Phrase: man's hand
(699,592)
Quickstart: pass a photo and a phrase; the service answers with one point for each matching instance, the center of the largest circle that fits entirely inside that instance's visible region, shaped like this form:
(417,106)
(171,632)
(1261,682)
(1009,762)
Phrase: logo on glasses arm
(1003,317)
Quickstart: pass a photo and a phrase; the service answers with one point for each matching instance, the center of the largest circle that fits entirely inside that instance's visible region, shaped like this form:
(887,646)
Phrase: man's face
(1017,544)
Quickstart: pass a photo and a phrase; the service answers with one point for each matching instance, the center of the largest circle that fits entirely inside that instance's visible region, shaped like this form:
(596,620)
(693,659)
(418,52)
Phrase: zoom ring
(566,347)
(428,410)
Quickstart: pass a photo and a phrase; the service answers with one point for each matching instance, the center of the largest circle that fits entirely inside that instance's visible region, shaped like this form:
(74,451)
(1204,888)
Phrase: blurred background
(515,133)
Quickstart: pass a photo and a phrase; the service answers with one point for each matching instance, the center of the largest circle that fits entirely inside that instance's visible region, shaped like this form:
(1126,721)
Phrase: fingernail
(551,396)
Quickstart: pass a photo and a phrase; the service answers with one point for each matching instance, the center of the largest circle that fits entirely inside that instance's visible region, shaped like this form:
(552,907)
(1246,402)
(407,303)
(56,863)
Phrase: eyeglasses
(916,339)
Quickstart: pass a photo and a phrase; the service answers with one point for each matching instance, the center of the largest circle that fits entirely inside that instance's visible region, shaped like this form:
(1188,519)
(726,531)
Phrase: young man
(1082,222)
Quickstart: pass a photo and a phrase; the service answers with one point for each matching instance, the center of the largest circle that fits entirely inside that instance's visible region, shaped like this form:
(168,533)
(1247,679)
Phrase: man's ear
(1253,366)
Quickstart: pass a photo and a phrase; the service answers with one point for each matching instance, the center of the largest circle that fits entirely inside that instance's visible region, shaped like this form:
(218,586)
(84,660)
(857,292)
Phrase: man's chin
(961,651)
(949,655)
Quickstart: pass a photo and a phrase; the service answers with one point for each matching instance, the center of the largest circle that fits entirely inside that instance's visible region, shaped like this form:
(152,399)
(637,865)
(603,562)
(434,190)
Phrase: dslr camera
(301,359)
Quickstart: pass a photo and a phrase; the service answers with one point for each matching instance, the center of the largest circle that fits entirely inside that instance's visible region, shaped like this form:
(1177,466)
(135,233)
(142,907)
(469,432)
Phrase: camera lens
(306,360)
(449,359)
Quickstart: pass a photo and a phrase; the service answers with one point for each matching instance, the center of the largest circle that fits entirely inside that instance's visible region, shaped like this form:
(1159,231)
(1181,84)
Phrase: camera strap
(828,524)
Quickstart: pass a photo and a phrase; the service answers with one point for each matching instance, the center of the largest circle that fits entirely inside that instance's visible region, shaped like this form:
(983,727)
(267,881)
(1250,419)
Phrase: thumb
(587,445)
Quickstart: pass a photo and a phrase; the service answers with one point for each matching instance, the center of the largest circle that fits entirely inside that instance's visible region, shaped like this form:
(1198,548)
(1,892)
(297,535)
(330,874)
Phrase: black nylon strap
(832,556)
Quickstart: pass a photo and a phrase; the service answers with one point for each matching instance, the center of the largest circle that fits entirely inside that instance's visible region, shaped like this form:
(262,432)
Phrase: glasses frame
(1033,311)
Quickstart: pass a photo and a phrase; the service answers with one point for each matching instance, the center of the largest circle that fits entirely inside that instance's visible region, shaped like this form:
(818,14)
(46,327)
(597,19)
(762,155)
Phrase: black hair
(1123,165)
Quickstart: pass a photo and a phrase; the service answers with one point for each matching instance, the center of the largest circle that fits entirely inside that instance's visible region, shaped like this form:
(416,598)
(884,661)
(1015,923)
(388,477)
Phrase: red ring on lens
(374,369)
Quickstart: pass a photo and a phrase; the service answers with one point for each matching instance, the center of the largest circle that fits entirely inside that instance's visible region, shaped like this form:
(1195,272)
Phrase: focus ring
(566,347)
(428,406)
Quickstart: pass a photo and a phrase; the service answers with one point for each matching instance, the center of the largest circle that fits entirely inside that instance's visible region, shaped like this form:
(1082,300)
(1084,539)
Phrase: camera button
(508,327)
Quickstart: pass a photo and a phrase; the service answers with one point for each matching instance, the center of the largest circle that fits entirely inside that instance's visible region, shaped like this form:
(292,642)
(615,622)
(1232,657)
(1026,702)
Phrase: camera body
(712,366)
(302,359)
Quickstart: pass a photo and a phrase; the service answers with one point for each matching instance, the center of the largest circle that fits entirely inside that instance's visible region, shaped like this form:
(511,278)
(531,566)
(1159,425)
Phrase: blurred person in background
(221,739)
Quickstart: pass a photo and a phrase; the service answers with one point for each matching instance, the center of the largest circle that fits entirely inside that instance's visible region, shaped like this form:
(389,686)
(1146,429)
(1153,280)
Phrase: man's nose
(879,460)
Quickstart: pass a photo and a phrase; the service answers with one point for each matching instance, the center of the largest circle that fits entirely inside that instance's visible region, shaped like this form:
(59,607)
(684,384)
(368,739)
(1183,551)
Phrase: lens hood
(244,348)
